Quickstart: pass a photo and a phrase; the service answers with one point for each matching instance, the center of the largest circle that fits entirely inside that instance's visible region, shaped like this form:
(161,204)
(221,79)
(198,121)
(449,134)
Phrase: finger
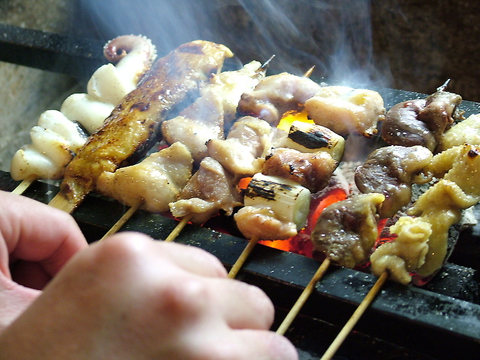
(247,345)
(243,306)
(188,258)
(33,231)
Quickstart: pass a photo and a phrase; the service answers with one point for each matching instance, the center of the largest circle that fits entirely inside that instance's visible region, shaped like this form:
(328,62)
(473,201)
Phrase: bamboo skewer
(125,217)
(61,202)
(303,297)
(342,335)
(24,185)
(243,257)
(176,231)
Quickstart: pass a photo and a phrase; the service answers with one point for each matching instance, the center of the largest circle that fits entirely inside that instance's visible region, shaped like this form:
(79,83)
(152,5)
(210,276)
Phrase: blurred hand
(35,242)
(130,297)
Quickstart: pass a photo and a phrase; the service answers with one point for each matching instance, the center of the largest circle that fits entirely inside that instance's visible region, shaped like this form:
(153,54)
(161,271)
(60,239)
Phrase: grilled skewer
(133,124)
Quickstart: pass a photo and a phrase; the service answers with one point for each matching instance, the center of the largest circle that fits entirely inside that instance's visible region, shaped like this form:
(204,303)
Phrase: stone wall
(24,92)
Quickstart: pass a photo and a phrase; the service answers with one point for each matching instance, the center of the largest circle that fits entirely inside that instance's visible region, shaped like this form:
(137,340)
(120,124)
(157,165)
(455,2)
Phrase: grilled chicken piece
(277,94)
(154,182)
(465,132)
(406,253)
(422,121)
(424,244)
(262,222)
(197,128)
(247,143)
(345,110)
(209,190)
(214,110)
(135,122)
(391,171)
(346,230)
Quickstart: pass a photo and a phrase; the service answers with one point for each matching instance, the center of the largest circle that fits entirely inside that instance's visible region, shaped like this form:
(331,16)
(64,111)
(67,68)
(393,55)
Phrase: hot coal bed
(438,321)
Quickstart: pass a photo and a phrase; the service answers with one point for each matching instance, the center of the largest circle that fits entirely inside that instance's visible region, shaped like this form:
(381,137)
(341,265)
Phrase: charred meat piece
(135,122)
(421,121)
(275,208)
(346,230)
(277,94)
(311,170)
(391,171)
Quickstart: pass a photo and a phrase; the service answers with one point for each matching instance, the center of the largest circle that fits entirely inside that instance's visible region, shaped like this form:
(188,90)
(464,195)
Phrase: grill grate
(403,323)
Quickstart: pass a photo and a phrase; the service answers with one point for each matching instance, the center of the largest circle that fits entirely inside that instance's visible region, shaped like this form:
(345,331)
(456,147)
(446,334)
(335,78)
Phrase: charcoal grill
(440,321)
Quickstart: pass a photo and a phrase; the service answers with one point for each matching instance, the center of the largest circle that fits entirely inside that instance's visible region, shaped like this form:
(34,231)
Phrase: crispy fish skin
(134,121)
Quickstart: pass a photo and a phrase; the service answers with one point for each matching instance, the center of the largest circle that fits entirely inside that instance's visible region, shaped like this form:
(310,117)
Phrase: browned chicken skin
(137,118)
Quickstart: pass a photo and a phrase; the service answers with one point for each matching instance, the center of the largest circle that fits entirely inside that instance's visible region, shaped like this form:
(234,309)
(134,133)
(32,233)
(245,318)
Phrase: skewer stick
(60,201)
(24,185)
(342,335)
(176,231)
(243,257)
(125,217)
(309,72)
(282,329)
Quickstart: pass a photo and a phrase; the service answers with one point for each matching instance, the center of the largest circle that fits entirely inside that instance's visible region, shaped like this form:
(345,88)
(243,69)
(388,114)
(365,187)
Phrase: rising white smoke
(334,36)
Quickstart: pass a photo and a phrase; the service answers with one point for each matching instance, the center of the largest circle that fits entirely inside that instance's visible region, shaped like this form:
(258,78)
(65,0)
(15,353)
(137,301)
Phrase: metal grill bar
(77,57)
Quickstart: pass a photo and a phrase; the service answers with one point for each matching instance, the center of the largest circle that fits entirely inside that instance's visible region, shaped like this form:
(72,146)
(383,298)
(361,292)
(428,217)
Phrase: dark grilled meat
(311,170)
(346,230)
(391,171)
(421,121)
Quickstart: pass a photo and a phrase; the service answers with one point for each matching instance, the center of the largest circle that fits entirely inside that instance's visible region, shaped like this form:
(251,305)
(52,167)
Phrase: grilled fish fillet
(138,117)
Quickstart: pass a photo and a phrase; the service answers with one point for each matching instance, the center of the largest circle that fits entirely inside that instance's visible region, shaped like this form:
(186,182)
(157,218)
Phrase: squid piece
(346,110)
(391,171)
(154,182)
(60,134)
(110,83)
(347,230)
(133,126)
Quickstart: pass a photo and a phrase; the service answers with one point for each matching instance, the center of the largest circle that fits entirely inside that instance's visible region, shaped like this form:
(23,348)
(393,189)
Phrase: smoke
(334,36)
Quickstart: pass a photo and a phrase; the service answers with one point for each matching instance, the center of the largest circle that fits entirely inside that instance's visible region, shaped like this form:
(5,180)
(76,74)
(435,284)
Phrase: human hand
(35,242)
(129,297)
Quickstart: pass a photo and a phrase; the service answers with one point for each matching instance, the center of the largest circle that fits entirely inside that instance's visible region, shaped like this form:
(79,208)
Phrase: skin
(127,297)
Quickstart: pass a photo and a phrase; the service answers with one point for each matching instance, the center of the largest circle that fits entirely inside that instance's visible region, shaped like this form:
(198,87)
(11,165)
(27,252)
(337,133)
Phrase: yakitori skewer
(243,257)
(24,185)
(292,314)
(132,125)
(363,208)
(342,335)
(59,134)
(125,217)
